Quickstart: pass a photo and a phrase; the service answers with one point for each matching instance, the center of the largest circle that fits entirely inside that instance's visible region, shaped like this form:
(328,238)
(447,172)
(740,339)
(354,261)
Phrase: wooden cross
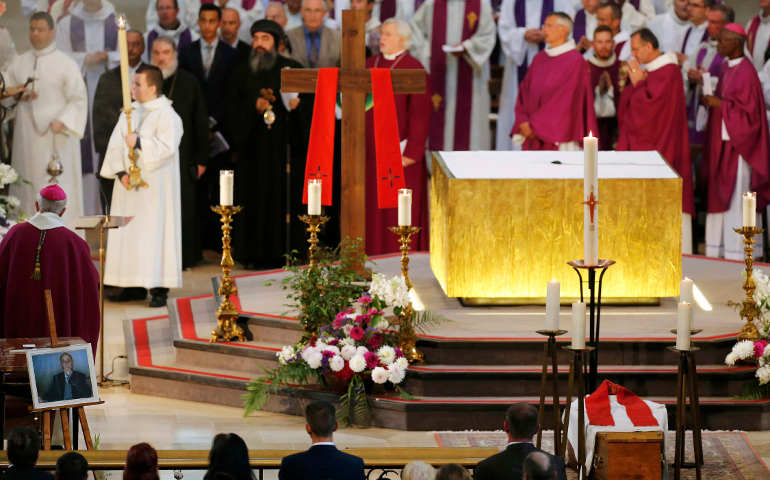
(354,83)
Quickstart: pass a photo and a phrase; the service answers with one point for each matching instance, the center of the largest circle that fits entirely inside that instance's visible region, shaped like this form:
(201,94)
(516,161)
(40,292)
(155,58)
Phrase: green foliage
(754,391)
(354,406)
(260,389)
(320,293)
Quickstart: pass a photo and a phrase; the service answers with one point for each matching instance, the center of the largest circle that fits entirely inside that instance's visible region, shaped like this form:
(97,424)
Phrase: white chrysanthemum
(286,354)
(378,287)
(744,349)
(379,375)
(357,363)
(307,352)
(731,358)
(380,323)
(387,354)
(396,374)
(402,362)
(336,363)
(7,175)
(347,352)
(348,340)
(763,374)
(13,202)
(332,348)
(314,359)
(362,350)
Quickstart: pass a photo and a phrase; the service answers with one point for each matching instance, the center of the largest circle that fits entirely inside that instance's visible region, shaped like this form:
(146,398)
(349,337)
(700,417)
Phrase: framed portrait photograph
(62,376)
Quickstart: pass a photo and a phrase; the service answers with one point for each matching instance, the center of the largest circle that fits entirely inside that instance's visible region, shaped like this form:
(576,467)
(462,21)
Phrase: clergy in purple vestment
(584,24)
(605,70)
(555,106)
(43,254)
(737,152)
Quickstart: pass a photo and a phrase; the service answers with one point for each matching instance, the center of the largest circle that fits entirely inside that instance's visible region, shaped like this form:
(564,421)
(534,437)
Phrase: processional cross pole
(354,83)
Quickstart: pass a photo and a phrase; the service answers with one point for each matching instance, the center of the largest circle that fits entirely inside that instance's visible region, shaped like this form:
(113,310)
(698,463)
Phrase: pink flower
(399,353)
(372,360)
(363,319)
(337,323)
(375,341)
(357,333)
(759,348)
(365,300)
(374,311)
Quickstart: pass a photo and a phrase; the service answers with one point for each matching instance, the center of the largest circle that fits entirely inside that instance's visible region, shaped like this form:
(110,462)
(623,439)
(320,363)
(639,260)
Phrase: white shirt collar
(561,49)
(171,31)
(322,443)
(46,221)
(602,63)
(732,62)
(660,62)
(45,50)
(153,104)
(214,43)
(516,443)
(676,18)
(393,56)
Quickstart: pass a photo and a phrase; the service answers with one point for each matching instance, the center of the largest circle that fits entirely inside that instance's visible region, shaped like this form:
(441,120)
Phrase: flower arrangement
(8,203)
(358,346)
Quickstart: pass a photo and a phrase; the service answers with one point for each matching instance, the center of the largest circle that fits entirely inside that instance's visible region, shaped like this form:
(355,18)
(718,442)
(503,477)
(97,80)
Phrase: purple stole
(520,14)
(579,25)
(704,38)
(464,96)
(715,69)
(184,39)
(78,43)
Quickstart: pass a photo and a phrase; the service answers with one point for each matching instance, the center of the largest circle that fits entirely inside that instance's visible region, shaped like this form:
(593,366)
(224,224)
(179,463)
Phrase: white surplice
(61,95)
(148,251)
(633,19)
(761,41)
(694,40)
(174,33)
(94,24)
(670,31)
(517,52)
(477,50)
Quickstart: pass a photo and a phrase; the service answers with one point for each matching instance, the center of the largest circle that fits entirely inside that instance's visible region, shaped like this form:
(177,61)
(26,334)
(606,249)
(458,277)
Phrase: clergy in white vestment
(758,40)
(147,253)
(453,39)
(697,31)
(521,39)
(89,35)
(170,25)
(50,118)
(636,13)
(671,27)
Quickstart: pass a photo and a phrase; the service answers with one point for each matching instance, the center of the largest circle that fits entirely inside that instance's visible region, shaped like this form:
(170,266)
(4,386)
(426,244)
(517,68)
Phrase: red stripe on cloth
(390,171)
(320,151)
(600,413)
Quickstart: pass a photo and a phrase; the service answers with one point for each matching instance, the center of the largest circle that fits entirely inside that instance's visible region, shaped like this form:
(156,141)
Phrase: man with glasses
(697,32)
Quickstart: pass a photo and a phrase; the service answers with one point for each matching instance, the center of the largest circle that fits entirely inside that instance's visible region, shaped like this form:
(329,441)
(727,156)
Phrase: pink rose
(357,333)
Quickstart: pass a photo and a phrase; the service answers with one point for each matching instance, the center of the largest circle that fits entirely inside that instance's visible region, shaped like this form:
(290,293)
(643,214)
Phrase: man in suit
(228,33)
(312,44)
(520,425)
(69,384)
(322,461)
(108,102)
(23,450)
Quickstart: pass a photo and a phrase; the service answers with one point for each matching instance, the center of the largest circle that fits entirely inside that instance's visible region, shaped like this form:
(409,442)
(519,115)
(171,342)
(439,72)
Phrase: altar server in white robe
(459,78)
(89,35)
(671,27)
(636,13)
(758,41)
(50,118)
(147,253)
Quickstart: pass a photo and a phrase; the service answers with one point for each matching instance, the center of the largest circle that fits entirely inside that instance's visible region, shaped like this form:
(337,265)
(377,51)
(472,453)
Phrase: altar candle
(684,320)
(578,325)
(552,305)
(314,188)
(590,199)
(686,291)
(404,207)
(226,178)
(749,209)
(124,69)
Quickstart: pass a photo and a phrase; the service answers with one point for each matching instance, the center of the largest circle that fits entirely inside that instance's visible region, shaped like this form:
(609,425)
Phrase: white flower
(396,374)
(763,374)
(13,202)
(314,359)
(362,350)
(399,292)
(347,328)
(744,350)
(379,375)
(380,323)
(286,354)
(332,348)
(307,352)
(731,358)
(348,340)
(402,362)
(387,354)
(2,211)
(357,363)
(348,351)
(336,363)
(7,175)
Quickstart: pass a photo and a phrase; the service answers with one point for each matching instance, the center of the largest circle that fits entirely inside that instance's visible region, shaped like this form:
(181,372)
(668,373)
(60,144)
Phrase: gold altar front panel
(507,238)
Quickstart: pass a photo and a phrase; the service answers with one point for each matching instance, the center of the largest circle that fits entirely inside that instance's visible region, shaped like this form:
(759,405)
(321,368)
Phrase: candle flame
(121,21)
(590,133)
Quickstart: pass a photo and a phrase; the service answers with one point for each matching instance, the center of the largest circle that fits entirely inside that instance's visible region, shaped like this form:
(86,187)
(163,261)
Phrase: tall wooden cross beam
(354,83)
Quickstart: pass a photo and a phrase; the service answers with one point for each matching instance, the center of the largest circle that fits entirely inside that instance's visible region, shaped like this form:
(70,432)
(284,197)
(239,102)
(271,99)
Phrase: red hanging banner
(320,149)
(390,171)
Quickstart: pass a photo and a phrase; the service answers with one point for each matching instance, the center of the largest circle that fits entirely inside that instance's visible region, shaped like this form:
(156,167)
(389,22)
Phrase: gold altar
(503,239)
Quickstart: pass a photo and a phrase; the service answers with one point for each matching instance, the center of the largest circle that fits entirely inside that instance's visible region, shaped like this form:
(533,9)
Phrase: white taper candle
(578,325)
(404,207)
(683,322)
(552,305)
(314,188)
(590,199)
(749,209)
(226,178)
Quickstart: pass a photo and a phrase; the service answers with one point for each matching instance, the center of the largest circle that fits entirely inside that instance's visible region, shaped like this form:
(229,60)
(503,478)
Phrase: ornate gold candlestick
(749,308)
(227,314)
(314,223)
(407,337)
(135,180)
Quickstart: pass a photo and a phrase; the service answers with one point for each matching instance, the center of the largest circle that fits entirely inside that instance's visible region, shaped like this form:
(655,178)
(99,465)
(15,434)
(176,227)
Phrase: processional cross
(354,83)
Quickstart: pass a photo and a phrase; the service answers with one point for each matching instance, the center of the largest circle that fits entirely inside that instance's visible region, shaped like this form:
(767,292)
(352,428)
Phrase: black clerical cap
(267,26)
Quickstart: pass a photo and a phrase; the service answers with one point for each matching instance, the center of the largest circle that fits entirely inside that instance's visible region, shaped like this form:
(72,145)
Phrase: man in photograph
(69,384)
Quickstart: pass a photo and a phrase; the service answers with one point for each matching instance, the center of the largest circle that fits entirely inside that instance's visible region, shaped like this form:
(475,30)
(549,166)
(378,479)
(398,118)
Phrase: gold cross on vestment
(472,18)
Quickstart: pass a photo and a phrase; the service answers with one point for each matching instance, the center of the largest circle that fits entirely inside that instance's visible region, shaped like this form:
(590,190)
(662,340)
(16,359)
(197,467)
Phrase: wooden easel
(63,411)
(549,356)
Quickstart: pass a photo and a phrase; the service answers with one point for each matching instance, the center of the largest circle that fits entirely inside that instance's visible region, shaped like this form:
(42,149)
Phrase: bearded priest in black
(260,123)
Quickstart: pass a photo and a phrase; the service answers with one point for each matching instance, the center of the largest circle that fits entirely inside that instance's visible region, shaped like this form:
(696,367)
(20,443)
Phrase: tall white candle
(404,207)
(314,188)
(125,82)
(552,305)
(578,325)
(590,199)
(683,322)
(749,209)
(686,291)
(226,178)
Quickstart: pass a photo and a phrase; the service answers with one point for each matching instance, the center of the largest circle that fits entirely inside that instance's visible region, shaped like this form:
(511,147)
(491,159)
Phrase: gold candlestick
(135,181)
(227,328)
(407,337)
(749,308)
(314,223)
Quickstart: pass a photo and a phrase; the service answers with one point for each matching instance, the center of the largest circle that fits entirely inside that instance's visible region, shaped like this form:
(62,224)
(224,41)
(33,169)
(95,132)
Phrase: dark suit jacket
(213,86)
(328,55)
(243,49)
(80,384)
(14,473)
(506,465)
(322,462)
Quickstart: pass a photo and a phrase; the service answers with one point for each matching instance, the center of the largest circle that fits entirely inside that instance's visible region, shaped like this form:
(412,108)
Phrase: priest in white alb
(453,39)
(670,28)
(50,118)
(147,253)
